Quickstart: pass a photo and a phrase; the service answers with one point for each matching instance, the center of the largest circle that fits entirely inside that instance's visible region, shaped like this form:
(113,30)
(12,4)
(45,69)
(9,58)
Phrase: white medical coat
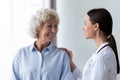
(101,66)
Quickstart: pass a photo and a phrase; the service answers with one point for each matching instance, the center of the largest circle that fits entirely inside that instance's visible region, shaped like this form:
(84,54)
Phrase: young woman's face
(48,31)
(88,28)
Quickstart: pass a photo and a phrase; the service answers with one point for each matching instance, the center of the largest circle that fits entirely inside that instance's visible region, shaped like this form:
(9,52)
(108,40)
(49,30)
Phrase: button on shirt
(101,66)
(50,64)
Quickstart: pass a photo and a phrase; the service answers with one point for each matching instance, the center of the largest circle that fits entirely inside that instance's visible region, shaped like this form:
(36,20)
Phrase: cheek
(88,32)
(91,33)
(56,31)
(42,34)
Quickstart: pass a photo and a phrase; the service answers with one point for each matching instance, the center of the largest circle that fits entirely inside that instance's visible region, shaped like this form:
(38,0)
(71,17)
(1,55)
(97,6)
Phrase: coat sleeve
(77,74)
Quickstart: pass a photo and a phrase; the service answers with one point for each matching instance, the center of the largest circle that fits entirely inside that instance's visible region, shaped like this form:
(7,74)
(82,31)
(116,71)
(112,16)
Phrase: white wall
(70,35)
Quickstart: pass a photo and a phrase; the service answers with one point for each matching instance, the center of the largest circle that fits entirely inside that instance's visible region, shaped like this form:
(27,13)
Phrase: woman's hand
(72,64)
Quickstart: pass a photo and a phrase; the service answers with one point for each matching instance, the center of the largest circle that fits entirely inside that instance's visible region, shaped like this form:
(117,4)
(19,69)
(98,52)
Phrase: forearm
(72,65)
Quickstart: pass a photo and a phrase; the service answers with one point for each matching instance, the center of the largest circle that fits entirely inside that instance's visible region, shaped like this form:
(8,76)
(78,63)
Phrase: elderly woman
(42,60)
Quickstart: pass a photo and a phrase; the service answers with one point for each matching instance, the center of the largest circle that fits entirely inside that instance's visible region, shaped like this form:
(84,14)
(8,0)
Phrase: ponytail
(112,42)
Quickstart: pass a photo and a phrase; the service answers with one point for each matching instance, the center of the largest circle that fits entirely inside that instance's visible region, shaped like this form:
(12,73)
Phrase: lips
(51,36)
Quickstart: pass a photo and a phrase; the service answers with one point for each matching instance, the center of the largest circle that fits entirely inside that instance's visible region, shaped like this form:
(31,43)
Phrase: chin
(87,37)
(51,40)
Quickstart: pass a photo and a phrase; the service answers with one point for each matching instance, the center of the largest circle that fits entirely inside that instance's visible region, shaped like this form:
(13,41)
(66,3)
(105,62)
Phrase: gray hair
(39,18)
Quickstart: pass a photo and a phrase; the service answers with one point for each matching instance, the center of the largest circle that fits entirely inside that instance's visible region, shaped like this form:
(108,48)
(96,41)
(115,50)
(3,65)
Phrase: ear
(96,26)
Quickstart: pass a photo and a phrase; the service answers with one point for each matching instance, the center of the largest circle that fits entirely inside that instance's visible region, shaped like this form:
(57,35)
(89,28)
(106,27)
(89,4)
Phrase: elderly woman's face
(48,31)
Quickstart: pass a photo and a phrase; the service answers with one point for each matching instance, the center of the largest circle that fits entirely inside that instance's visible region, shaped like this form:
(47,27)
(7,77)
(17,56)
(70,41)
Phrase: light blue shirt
(50,64)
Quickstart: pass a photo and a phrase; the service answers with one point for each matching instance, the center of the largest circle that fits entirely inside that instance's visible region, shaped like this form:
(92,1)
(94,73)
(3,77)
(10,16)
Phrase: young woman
(104,63)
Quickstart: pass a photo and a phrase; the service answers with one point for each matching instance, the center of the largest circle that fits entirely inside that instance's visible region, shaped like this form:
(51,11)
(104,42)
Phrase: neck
(40,46)
(100,41)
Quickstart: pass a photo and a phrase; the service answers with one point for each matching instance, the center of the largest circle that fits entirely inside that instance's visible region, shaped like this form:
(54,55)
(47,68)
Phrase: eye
(50,25)
(56,26)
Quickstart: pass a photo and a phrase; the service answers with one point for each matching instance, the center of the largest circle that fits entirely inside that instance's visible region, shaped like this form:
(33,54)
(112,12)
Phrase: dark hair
(104,19)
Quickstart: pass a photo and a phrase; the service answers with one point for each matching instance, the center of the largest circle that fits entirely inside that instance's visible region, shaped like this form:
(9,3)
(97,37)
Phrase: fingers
(70,53)
(64,49)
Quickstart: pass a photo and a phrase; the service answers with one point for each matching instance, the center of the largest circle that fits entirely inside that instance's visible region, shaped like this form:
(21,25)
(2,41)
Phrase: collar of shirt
(106,43)
(50,48)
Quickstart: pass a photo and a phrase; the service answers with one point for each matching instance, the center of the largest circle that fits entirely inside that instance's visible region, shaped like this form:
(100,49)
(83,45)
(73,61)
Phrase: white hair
(39,18)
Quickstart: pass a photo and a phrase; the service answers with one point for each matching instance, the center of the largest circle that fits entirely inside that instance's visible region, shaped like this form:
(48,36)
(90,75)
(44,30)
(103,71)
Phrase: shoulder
(58,52)
(107,52)
(26,48)
(106,56)
(61,53)
(23,50)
